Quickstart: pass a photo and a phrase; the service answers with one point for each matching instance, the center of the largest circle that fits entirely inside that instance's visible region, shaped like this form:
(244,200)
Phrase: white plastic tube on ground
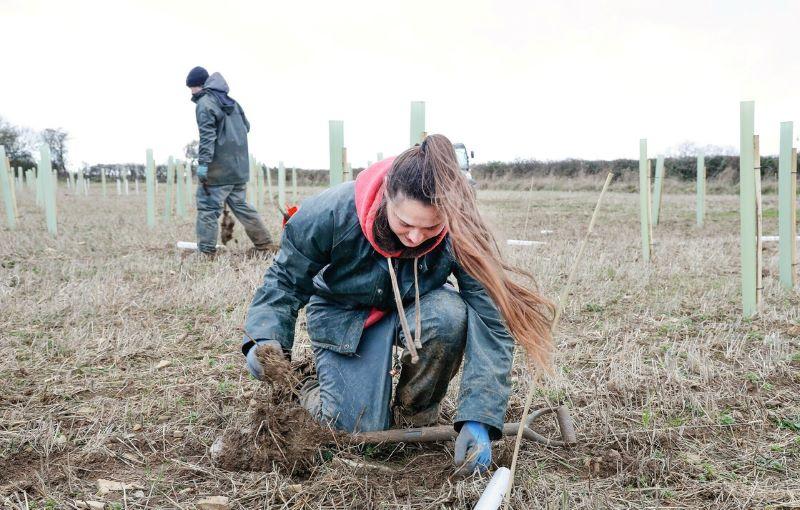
(188,245)
(773,238)
(519,242)
(493,495)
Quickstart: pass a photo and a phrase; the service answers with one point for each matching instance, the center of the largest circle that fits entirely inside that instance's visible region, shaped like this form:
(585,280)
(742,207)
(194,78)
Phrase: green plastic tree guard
(5,184)
(48,190)
(80,186)
(281,185)
(336,144)
(40,181)
(170,186)
(747,208)
(268,176)
(644,201)
(657,186)
(150,178)
(103,182)
(417,132)
(787,199)
(259,171)
(188,188)
(294,185)
(249,188)
(380,156)
(701,189)
(180,207)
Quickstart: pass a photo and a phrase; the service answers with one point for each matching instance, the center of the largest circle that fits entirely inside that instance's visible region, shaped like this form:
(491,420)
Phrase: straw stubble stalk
(559,310)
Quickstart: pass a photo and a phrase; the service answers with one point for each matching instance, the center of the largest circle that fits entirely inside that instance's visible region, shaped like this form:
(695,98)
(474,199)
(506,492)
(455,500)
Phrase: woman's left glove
(473,448)
(202,173)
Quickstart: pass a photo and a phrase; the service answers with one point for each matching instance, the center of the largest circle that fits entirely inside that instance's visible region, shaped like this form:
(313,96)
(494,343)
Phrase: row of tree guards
(750,210)
(179,183)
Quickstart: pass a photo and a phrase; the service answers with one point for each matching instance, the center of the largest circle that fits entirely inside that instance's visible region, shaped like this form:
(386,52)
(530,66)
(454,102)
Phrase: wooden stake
(644,201)
(759,220)
(345,166)
(657,186)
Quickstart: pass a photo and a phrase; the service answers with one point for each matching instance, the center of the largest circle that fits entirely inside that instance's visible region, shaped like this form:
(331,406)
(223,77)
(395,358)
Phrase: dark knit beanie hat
(197,77)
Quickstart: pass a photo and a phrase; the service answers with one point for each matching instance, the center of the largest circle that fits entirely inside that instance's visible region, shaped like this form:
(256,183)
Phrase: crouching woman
(364,255)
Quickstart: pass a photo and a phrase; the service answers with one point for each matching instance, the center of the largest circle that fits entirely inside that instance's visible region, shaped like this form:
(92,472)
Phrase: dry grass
(121,361)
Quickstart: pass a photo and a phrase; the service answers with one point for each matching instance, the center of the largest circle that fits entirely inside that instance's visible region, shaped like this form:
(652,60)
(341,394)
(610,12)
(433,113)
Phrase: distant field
(121,361)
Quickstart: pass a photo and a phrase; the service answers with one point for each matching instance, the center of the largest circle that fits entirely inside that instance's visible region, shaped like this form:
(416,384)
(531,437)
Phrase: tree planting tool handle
(447,433)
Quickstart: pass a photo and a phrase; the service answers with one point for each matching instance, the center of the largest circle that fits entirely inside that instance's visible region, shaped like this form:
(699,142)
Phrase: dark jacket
(328,263)
(223,134)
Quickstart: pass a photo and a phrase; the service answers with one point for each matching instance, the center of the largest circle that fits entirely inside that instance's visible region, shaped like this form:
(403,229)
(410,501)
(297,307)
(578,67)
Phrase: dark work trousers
(354,392)
(210,200)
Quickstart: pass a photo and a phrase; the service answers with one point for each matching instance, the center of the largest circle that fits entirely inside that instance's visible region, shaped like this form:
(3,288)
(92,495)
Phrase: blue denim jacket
(327,264)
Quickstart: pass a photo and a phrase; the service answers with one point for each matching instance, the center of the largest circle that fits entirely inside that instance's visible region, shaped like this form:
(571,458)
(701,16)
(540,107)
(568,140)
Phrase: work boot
(425,418)
(261,253)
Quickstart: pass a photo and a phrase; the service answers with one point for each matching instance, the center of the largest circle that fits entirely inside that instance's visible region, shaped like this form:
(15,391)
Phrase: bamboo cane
(561,302)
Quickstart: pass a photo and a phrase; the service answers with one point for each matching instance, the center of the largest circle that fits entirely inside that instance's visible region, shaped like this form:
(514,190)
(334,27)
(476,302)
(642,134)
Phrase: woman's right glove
(473,448)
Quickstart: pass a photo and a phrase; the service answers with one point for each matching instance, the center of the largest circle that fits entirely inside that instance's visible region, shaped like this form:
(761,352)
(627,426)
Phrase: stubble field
(121,362)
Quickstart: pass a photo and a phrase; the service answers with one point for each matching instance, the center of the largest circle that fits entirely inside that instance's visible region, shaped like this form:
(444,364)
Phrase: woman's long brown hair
(430,173)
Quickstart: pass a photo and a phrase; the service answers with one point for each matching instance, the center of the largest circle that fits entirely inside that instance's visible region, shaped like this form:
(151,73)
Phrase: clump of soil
(280,431)
(227,225)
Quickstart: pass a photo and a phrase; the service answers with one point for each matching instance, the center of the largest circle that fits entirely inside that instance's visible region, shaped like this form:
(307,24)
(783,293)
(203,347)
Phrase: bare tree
(13,139)
(56,139)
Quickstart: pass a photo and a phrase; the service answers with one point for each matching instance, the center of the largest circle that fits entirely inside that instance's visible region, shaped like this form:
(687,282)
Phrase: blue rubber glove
(253,365)
(473,448)
(202,173)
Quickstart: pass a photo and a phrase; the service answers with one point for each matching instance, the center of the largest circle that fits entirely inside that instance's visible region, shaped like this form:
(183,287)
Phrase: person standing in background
(223,163)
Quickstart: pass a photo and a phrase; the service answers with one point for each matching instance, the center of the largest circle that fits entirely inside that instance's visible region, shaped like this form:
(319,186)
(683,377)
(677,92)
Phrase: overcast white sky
(510,79)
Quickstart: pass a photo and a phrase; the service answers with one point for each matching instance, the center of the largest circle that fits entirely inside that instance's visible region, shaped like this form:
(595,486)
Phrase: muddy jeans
(210,200)
(353,393)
